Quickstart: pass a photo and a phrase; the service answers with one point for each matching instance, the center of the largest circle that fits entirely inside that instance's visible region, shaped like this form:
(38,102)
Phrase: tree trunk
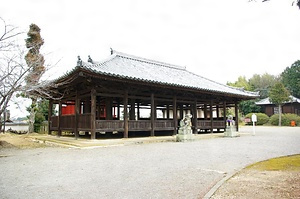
(32,114)
(279,112)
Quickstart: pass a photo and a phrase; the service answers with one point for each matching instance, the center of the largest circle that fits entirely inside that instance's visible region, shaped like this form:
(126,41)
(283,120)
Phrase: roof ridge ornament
(90,59)
(111,51)
(79,61)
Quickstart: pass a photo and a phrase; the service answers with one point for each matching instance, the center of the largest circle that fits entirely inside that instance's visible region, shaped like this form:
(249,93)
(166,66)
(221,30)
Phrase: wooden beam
(138,110)
(126,114)
(59,118)
(205,111)
(93,114)
(77,109)
(236,109)
(108,107)
(195,117)
(49,115)
(168,111)
(153,114)
(211,116)
(175,115)
(224,113)
(132,110)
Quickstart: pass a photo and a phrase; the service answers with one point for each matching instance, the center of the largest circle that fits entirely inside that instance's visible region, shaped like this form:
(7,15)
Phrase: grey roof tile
(131,67)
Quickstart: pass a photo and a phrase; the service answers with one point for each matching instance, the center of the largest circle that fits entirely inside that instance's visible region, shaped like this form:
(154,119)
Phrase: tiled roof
(267,101)
(146,70)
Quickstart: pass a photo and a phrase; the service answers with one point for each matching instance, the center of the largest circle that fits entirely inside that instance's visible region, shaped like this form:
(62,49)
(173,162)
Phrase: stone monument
(230,128)
(185,132)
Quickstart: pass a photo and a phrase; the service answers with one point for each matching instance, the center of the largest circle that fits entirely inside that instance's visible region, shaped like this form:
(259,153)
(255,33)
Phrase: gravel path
(158,170)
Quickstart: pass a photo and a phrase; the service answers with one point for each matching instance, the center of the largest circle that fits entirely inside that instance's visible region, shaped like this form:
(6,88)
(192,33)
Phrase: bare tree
(12,66)
(295,2)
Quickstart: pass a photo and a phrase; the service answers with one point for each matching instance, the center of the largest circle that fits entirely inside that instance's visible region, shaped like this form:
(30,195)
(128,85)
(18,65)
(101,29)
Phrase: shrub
(261,118)
(285,119)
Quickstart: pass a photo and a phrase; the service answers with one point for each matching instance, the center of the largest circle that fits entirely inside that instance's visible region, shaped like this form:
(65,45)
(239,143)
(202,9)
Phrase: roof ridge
(150,61)
(236,88)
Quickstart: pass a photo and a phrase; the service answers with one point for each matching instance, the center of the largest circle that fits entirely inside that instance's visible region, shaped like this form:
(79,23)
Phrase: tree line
(277,88)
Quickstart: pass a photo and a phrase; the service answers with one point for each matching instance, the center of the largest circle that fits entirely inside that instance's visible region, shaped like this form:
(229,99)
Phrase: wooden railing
(206,124)
(140,125)
(84,121)
(164,125)
(109,125)
(67,122)
(54,123)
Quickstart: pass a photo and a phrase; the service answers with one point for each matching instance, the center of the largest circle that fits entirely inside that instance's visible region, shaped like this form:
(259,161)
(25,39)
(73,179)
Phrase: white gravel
(158,170)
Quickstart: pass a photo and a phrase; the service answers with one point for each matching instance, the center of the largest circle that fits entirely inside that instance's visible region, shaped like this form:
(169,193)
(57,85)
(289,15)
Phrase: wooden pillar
(93,114)
(59,118)
(211,116)
(195,116)
(153,114)
(98,112)
(132,110)
(77,109)
(236,109)
(168,111)
(224,113)
(181,111)
(218,112)
(87,106)
(50,115)
(126,115)
(138,110)
(108,108)
(119,110)
(205,111)
(175,119)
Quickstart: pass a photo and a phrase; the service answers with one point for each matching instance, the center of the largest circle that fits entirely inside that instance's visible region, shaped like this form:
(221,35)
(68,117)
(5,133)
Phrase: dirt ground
(10,140)
(275,178)
(261,180)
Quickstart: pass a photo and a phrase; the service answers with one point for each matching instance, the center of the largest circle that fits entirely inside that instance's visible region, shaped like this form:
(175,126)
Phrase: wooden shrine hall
(126,94)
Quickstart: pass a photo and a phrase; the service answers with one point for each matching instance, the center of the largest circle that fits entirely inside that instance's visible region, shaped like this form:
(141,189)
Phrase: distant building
(292,106)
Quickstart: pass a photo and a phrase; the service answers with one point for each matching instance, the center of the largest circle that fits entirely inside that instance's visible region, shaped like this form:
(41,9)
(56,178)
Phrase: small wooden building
(125,93)
(292,106)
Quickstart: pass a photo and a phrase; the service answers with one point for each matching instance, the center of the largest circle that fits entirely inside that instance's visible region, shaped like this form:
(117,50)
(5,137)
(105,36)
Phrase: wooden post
(132,110)
(119,110)
(138,110)
(211,116)
(49,116)
(195,117)
(175,115)
(218,114)
(153,114)
(205,111)
(224,113)
(168,111)
(236,109)
(108,107)
(77,108)
(181,111)
(126,115)
(93,113)
(59,118)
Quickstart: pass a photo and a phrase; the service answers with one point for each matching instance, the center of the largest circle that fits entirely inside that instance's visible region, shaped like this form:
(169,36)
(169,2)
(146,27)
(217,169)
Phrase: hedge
(285,119)
(261,118)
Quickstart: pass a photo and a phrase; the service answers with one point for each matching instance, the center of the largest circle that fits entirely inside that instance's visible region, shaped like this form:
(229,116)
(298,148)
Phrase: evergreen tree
(291,78)
(35,62)
(278,95)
